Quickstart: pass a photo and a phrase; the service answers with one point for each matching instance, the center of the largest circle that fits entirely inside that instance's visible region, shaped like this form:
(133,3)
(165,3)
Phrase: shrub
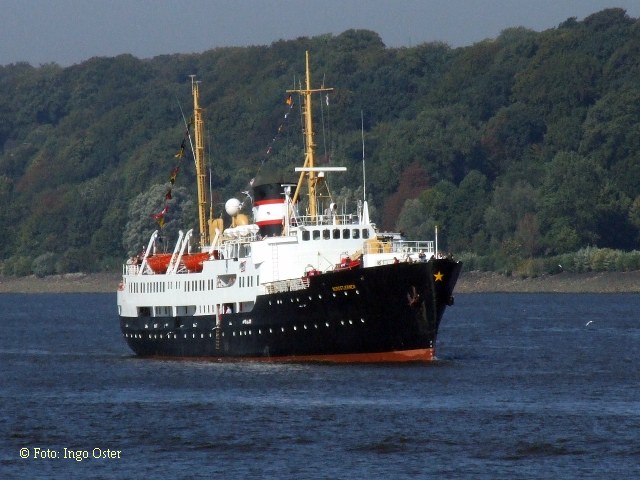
(44,265)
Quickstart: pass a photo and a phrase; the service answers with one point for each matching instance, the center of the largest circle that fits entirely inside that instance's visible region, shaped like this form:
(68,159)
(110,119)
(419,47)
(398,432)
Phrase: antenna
(210,194)
(364,175)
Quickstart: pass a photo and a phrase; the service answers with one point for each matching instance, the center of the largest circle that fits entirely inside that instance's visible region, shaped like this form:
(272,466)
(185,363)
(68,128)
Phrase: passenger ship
(288,287)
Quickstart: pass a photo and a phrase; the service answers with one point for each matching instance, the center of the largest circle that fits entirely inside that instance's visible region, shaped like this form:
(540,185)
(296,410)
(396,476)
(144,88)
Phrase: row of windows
(335,234)
(246,282)
(173,335)
(190,310)
(192,285)
(147,287)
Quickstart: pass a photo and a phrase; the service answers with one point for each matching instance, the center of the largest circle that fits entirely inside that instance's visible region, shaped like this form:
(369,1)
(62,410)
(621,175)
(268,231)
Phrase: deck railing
(291,285)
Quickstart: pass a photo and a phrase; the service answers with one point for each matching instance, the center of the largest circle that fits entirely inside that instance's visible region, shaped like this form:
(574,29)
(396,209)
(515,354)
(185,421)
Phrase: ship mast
(199,161)
(309,161)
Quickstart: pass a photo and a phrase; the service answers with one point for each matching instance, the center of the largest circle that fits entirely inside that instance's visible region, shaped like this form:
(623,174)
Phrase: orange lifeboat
(159,262)
(193,261)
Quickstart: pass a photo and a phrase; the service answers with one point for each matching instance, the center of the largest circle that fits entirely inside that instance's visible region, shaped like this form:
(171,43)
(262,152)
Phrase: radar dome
(232,207)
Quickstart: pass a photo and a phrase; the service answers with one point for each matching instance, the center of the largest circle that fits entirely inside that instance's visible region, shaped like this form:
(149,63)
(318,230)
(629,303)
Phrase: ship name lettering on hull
(342,288)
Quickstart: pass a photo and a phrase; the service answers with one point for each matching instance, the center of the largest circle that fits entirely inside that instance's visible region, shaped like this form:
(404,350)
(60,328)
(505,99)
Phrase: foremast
(199,161)
(309,161)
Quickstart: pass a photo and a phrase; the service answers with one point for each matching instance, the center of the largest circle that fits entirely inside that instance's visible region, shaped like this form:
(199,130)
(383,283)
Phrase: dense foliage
(520,148)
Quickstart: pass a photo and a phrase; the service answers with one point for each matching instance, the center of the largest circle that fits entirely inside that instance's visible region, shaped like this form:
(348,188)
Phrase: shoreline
(469,282)
(590,282)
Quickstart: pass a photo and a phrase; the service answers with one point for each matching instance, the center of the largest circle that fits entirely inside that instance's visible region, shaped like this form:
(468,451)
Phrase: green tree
(141,224)
(569,193)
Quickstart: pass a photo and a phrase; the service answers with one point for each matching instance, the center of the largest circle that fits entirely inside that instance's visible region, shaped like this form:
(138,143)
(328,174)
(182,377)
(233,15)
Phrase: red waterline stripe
(401,356)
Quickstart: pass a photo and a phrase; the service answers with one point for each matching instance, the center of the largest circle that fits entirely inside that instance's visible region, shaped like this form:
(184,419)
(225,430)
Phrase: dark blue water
(523,388)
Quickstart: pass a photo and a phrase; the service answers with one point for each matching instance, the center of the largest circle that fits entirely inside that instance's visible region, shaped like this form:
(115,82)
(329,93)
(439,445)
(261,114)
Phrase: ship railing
(405,248)
(329,219)
(130,269)
(411,247)
(291,285)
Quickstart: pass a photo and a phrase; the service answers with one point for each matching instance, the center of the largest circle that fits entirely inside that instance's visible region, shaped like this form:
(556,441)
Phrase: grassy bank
(590,282)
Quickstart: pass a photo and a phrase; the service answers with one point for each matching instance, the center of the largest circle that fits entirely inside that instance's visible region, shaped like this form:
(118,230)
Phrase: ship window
(336,233)
(326,234)
(225,281)
(365,233)
(305,235)
(159,311)
(316,234)
(356,233)
(346,233)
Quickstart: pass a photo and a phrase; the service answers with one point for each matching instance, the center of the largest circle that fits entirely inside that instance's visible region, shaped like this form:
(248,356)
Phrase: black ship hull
(386,313)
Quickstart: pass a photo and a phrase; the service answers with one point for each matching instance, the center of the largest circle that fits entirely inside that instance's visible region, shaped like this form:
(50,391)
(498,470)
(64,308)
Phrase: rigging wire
(324,135)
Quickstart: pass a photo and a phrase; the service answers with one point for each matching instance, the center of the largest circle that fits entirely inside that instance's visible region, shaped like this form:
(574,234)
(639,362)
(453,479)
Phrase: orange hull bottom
(401,356)
(419,355)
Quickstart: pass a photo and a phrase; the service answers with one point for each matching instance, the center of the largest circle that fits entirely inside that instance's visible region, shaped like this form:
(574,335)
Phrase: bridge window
(225,281)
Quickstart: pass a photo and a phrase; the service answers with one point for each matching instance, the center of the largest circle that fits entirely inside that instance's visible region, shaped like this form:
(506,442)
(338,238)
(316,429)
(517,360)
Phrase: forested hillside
(522,148)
